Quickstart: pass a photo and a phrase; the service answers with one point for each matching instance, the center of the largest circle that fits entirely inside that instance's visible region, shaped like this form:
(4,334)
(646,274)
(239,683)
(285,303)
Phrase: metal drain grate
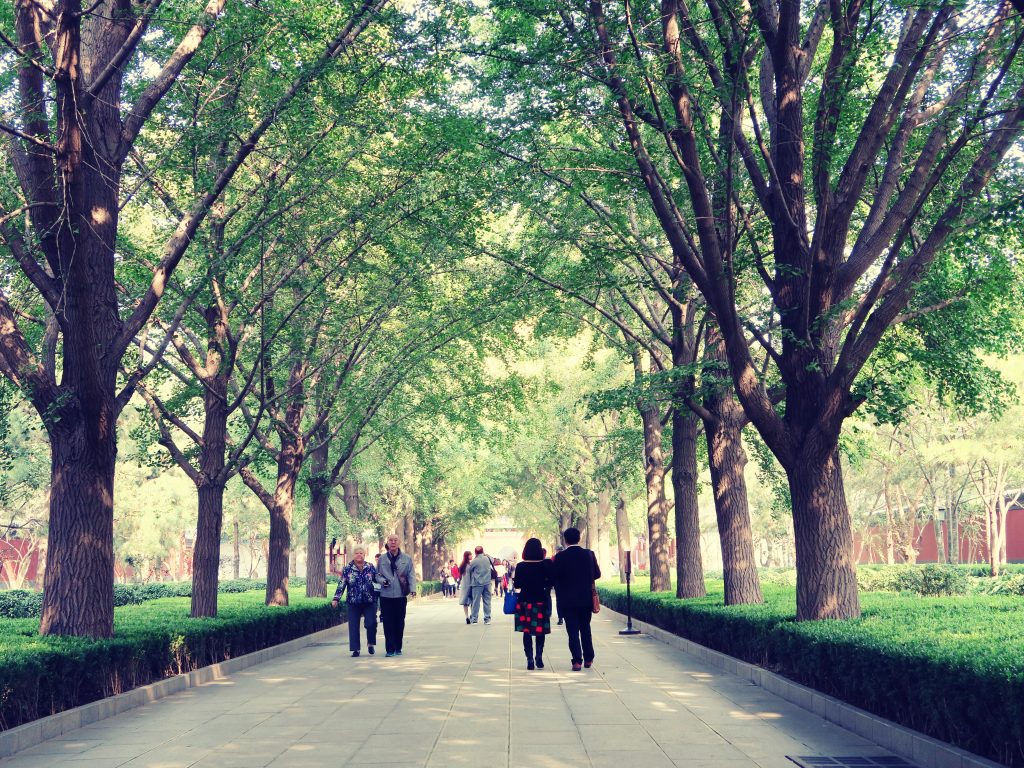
(850,761)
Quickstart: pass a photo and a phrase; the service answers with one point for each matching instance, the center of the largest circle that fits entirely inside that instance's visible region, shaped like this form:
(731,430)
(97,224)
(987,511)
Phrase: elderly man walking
(480,574)
(398,580)
(576,570)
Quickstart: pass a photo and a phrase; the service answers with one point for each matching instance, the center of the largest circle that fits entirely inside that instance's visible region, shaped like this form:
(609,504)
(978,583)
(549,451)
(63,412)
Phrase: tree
(69,162)
(840,205)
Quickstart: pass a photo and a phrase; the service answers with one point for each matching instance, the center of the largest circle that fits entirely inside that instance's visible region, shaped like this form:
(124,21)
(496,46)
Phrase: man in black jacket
(576,570)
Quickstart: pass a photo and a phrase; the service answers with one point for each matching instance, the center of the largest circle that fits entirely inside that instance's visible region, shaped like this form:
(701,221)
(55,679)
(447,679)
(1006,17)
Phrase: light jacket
(479,571)
(403,567)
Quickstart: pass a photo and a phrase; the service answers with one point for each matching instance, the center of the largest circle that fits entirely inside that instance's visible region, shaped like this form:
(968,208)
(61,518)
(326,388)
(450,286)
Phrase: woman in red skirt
(534,578)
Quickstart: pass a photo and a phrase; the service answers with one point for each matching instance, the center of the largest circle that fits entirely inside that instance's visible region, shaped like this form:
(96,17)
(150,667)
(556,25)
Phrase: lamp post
(629,600)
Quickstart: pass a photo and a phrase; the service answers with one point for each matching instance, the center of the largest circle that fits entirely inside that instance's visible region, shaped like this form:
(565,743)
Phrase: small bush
(1012,584)
(43,675)
(24,604)
(425,588)
(929,580)
(20,604)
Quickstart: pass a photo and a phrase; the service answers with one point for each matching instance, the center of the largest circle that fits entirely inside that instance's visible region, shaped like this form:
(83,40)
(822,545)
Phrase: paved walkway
(460,696)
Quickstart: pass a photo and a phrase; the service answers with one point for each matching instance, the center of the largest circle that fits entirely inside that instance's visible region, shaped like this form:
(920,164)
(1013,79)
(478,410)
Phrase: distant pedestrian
(576,570)
(465,593)
(480,575)
(357,579)
(398,580)
(442,577)
(499,581)
(451,574)
(534,577)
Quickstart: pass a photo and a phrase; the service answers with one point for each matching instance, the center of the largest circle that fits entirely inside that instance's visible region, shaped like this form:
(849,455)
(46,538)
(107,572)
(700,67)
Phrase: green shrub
(20,604)
(947,666)
(43,675)
(425,588)
(24,604)
(930,580)
(1012,584)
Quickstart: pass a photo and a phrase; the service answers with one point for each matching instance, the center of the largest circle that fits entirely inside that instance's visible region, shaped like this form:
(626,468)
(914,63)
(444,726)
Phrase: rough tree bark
(657,504)
(723,428)
(316,537)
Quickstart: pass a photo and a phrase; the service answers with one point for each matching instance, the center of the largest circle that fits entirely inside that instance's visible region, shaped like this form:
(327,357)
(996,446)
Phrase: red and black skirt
(533,616)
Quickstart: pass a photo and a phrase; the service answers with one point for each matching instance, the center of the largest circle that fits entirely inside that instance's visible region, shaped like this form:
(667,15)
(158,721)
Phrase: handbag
(596,599)
(509,606)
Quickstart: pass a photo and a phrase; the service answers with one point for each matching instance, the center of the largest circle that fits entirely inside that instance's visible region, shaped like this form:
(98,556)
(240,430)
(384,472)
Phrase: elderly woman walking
(357,578)
(534,578)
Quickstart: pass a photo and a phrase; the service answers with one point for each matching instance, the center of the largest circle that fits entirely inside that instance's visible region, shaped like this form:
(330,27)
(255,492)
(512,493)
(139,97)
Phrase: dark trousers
(392,613)
(577,626)
(368,613)
(528,641)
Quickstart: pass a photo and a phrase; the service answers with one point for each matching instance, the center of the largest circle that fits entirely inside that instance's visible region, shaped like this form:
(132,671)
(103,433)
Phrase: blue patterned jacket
(359,584)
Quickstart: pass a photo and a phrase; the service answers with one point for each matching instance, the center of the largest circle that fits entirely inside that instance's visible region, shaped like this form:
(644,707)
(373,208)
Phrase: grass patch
(951,667)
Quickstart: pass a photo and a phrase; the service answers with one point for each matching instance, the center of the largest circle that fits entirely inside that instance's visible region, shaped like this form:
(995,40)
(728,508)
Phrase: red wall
(974,551)
(14,549)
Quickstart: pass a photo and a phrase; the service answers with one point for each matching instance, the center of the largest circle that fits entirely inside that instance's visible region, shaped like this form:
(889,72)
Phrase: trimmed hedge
(425,588)
(40,676)
(950,667)
(24,604)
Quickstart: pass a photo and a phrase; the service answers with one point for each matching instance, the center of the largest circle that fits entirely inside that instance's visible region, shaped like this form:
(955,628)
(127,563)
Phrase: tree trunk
(890,544)
(316,537)
(78,596)
(417,548)
(408,535)
(281,511)
(593,527)
(657,504)
(236,560)
(293,554)
(826,581)
(727,460)
(428,551)
(604,508)
(210,520)
(689,563)
(206,556)
(623,534)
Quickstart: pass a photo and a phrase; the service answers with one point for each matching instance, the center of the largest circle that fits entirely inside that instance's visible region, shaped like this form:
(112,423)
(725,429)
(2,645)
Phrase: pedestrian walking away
(480,574)
(447,583)
(358,580)
(576,570)
(397,578)
(533,579)
(499,577)
(465,593)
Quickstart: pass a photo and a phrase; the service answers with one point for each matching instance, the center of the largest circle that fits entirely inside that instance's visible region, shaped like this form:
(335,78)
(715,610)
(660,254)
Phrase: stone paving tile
(460,696)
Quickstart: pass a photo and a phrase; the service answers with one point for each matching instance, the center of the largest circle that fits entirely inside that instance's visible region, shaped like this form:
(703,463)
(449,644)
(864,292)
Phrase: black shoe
(540,661)
(561,622)
(370,650)
(467,619)
(354,654)
(588,664)
(529,663)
